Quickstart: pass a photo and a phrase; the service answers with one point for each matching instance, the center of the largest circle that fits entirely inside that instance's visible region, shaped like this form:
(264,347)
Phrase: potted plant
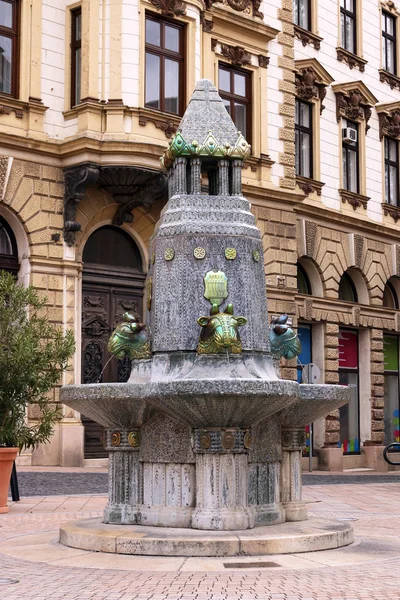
(33,355)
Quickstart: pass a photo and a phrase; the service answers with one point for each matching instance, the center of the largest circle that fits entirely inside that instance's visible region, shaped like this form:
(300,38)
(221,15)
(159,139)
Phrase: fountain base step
(307,536)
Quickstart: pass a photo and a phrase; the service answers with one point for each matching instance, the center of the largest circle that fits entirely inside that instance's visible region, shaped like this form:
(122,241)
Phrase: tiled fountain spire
(206,226)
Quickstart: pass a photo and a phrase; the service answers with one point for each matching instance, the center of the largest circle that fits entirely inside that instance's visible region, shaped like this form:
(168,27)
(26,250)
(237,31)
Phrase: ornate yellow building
(91,92)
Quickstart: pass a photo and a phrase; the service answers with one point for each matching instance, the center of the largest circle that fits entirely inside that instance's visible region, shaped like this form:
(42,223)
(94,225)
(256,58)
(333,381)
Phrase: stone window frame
(354,101)
(13,33)
(352,59)
(389,127)
(392,79)
(311,81)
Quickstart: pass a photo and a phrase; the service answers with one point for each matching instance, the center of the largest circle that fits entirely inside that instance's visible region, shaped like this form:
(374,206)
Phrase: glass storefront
(304,358)
(391,390)
(348,375)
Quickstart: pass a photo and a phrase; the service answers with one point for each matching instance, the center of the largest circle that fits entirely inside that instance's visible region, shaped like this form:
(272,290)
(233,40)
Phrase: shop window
(303,139)
(303,282)
(347,289)
(302,13)
(350,156)
(9,35)
(389,43)
(235,91)
(8,248)
(349,375)
(348,25)
(305,358)
(391,171)
(76,30)
(391,388)
(164,67)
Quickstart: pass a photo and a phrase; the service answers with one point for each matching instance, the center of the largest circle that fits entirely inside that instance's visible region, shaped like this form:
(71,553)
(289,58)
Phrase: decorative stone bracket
(130,187)
(393,211)
(307,37)
(354,101)
(308,186)
(355,200)
(352,60)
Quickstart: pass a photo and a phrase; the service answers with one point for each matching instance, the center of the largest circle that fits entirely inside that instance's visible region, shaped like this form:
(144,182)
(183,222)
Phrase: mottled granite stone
(166,440)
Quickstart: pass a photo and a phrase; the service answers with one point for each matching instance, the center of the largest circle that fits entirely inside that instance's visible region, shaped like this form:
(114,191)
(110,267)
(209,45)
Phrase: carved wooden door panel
(102,309)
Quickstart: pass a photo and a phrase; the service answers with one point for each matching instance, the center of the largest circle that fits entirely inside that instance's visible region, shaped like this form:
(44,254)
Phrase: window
(302,13)
(8,248)
(349,414)
(391,388)
(305,358)
(347,289)
(389,43)
(235,91)
(303,140)
(76,28)
(350,156)
(348,25)
(391,171)
(164,66)
(303,282)
(9,47)
(390,299)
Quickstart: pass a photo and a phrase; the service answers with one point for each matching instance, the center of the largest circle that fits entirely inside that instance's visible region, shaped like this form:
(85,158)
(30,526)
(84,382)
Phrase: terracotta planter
(7,457)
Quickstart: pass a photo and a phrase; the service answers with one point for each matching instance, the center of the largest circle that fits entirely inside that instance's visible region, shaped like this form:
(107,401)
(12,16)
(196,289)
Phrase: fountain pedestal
(293,439)
(222,480)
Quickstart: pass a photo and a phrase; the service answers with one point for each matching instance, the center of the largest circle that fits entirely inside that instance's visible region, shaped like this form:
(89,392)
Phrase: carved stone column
(180,176)
(293,439)
(222,480)
(124,476)
(237,177)
(195,176)
(223,177)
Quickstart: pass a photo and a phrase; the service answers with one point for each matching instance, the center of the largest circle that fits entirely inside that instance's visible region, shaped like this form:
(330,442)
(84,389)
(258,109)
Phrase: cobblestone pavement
(366,570)
(37,483)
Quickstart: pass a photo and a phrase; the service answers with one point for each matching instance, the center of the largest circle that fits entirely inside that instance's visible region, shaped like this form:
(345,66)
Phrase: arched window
(303,282)
(347,289)
(8,248)
(112,247)
(390,299)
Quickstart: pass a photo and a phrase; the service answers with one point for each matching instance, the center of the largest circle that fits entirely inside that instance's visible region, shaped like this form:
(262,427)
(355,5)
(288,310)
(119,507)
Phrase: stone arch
(314,275)
(391,293)
(22,242)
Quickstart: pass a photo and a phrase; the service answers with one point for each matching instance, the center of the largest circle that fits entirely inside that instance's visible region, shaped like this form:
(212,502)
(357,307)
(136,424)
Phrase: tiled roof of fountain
(206,129)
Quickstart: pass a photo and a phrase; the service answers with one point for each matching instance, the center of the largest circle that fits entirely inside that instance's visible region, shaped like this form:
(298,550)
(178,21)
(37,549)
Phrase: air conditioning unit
(349,135)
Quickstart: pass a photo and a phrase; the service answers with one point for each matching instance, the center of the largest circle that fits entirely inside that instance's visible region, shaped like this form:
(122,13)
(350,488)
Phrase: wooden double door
(104,300)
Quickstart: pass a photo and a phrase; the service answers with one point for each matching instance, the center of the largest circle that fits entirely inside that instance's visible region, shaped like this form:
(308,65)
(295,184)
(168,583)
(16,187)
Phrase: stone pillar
(222,480)
(237,177)
(180,176)
(293,439)
(223,177)
(264,485)
(124,477)
(171,182)
(195,176)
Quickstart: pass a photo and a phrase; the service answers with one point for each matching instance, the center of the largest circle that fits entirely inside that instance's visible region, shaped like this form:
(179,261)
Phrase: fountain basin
(314,401)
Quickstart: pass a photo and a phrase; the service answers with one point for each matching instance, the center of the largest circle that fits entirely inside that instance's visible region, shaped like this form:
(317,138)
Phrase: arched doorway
(8,248)
(113,282)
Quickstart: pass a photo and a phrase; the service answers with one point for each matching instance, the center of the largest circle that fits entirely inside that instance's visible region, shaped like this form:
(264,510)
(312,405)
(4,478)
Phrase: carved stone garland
(389,124)
(352,106)
(308,86)
(237,55)
(247,6)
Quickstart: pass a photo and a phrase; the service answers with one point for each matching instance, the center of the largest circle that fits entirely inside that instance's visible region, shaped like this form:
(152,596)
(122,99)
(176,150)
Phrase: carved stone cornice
(167,123)
(308,186)
(237,55)
(355,200)
(352,60)
(170,8)
(76,180)
(130,187)
(307,37)
(389,78)
(393,211)
(354,102)
(249,7)
(389,124)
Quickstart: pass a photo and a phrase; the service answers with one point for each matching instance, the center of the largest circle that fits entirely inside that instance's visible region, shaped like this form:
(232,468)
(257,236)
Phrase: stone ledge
(306,536)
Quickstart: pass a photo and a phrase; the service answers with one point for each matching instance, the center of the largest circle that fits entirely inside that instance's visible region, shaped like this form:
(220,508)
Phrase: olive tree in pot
(33,355)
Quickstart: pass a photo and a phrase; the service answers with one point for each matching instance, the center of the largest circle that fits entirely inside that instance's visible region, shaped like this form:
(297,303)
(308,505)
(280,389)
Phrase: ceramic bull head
(130,338)
(220,331)
(284,341)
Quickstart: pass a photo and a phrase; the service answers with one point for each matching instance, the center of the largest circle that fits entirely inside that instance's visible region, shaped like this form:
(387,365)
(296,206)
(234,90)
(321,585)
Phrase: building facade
(90,94)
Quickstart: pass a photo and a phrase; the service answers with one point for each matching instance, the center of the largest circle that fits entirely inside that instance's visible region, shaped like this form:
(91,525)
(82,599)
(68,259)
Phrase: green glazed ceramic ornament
(130,338)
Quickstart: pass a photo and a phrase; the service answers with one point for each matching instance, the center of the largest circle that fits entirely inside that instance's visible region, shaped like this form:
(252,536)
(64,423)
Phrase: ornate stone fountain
(205,435)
